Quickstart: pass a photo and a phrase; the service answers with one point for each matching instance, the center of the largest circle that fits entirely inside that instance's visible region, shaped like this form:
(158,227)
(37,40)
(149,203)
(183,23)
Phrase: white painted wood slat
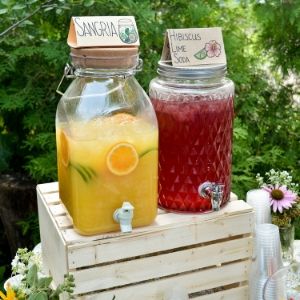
(193,282)
(237,293)
(57,210)
(163,222)
(123,273)
(171,238)
(63,222)
(52,198)
(53,246)
(46,188)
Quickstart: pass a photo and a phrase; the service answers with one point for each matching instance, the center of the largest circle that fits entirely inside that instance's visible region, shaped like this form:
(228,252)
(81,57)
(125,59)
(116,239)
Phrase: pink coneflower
(280,197)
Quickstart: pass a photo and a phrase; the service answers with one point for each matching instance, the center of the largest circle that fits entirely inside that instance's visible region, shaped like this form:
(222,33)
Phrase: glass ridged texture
(195,118)
(107,150)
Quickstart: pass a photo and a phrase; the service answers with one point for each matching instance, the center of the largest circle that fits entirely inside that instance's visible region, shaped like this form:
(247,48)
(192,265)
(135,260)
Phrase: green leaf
(65,7)
(32,276)
(42,166)
(44,282)
(19,6)
(3,11)
(27,22)
(49,8)
(88,3)
(38,296)
(201,54)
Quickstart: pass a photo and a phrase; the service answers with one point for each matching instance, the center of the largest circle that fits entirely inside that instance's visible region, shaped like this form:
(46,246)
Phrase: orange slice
(64,149)
(123,118)
(122,159)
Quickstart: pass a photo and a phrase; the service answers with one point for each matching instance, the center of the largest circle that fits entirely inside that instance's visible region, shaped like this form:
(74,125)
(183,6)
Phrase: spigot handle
(213,191)
(124,216)
(205,188)
(127,206)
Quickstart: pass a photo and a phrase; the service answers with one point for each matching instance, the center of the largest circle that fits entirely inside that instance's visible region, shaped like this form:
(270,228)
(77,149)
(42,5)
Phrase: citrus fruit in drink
(122,159)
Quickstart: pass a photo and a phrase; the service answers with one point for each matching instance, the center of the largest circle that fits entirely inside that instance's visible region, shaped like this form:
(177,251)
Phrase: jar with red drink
(194,107)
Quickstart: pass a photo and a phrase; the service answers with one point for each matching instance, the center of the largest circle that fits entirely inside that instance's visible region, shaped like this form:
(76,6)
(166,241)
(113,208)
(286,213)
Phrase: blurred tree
(262,46)
(279,33)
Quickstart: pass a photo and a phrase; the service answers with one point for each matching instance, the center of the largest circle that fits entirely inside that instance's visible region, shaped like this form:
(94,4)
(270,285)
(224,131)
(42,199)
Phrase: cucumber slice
(147,151)
(86,173)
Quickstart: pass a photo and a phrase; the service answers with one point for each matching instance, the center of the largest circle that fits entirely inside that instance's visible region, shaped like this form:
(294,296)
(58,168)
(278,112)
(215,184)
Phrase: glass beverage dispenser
(194,107)
(107,142)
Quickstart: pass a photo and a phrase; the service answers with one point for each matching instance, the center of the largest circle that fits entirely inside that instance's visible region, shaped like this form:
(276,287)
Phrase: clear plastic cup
(297,251)
(260,200)
(283,284)
(268,248)
(267,258)
(257,289)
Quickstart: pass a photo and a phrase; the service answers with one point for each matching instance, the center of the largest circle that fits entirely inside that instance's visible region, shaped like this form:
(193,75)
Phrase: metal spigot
(124,215)
(213,191)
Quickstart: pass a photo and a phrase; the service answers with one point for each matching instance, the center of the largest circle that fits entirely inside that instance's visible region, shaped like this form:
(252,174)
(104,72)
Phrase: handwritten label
(103,32)
(194,46)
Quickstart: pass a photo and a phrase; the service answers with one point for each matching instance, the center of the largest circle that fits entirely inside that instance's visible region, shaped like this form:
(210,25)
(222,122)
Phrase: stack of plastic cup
(260,200)
(284,284)
(297,251)
(268,248)
(275,287)
(268,257)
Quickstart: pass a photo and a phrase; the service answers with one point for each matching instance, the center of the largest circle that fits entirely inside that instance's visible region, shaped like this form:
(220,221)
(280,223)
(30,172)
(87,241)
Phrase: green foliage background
(262,41)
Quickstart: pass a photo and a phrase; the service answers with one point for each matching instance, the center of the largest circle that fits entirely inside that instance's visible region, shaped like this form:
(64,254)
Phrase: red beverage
(195,144)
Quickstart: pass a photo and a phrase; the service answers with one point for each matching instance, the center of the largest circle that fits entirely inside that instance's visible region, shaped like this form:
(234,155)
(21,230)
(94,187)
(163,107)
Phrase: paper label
(103,32)
(194,46)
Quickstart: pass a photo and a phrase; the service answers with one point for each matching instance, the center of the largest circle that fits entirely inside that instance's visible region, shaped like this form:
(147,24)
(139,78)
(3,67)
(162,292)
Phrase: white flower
(280,178)
(15,261)
(26,290)
(21,268)
(14,281)
(35,259)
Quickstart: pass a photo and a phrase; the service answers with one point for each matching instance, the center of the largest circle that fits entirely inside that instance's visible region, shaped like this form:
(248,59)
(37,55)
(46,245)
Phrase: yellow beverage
(101,164)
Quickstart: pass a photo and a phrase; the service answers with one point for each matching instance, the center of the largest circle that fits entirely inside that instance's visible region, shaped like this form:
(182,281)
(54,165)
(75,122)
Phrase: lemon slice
(64,148)
(122,159)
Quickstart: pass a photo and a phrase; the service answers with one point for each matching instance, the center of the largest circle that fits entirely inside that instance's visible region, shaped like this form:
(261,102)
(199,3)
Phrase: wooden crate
(209,254)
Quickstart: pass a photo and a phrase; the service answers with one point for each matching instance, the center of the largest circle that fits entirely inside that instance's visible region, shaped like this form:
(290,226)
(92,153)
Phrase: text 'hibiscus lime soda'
(106,130)
(193,101)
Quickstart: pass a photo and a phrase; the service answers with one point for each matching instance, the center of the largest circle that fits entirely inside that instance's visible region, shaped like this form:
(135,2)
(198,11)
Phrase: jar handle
(139,66)
(68,73)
